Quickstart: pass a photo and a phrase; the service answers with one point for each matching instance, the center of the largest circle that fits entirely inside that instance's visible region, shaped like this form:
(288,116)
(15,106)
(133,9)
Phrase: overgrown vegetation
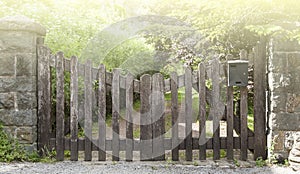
(260,162)
(11,150)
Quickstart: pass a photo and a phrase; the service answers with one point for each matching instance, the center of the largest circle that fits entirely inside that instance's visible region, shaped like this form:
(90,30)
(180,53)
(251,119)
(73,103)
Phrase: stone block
(284,45)
(10,130)
(21,23)
(7,67)
(278,102)
(293,62)
(18,84)
(278,62)
(294,156)
(17,42)
(19,117)
(26,64)
(285,121)
(293,88)
(26,134)
(278,80)
(295,79)
(26,100)
(279,91)
(293,103)
(30,147)
(7,101)
(278,140)
(289,139)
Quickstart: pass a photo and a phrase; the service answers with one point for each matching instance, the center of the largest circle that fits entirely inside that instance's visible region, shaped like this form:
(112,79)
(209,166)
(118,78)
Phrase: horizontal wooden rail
(167,144)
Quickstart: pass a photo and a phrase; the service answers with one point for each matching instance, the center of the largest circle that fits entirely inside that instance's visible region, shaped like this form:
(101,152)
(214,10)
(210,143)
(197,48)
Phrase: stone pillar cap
(21,23)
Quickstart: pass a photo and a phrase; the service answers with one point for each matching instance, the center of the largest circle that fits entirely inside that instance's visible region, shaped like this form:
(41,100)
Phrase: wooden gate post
(44,95)
(260,138)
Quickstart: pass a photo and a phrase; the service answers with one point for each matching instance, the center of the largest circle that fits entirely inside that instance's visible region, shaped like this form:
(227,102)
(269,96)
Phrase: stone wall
(284,96)
(18,77)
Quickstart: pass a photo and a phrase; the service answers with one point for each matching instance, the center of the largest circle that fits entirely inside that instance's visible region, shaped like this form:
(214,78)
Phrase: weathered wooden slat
(145,120)
(188,114)
(174,110)
(129,119)
(260,101)
(202,111)
(44,97)
(229,120)
(88,110)
(157,115)
(102,113)
(115,114)
(74,108)
(214,108)
(244,114)
(60,101)
(244,123)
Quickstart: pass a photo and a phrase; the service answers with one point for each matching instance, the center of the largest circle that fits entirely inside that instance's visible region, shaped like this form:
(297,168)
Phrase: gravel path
(67,167)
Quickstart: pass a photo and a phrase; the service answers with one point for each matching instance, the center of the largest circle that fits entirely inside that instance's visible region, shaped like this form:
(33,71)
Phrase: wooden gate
(158,134)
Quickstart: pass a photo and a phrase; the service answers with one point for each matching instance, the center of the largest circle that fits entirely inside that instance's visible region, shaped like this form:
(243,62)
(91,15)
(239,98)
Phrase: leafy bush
(11,150)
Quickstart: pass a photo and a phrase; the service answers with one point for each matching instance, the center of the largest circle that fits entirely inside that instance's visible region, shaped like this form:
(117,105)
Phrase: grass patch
(210,154)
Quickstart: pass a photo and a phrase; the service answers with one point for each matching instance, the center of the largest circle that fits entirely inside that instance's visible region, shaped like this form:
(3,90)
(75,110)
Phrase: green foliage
(260,162)
(131,52)
(236,163)
(69,26)
(67,153)
(11,150)
(48,155)
(232,25)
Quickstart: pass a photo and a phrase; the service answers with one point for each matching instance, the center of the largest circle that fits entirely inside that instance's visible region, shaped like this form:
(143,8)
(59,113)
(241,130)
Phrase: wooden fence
(152,142)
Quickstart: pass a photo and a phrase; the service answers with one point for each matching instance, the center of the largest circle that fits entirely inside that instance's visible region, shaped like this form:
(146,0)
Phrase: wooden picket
(115,114)
(146,122)
(129,117)
(157,116)
(60,114)
(152,143)
(44,96)
(88,111)
(102,113)
(202,111)
(188,115)
(74,108)
(174,108)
